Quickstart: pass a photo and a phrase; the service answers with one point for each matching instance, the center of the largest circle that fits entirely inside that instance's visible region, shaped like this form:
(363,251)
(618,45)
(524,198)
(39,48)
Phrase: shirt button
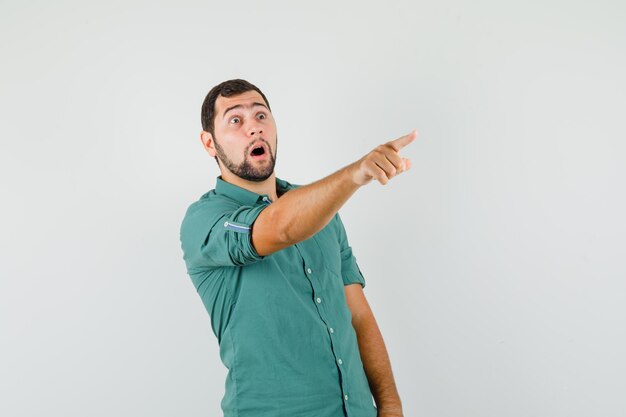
(345,397)
(332,330)
(309,270)
(319,300)
(225,224)
(339,361)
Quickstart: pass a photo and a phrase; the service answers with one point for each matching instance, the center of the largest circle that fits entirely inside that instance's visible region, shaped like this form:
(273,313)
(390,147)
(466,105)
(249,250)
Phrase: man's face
(245,136)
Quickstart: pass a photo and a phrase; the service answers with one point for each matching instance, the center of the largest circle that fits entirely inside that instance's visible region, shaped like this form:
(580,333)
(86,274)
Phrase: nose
(255,129)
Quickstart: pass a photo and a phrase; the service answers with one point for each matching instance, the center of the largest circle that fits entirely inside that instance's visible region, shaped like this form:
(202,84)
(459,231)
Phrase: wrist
(391,406)
(351,172)
(389,412)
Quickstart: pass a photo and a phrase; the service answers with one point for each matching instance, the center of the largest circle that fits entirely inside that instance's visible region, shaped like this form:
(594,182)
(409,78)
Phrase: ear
(207,141)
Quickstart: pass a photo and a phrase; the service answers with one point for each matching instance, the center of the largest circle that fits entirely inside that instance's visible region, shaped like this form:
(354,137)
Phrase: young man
(273,267)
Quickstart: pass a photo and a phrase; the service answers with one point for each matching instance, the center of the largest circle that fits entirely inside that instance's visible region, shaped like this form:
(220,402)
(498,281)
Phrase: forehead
(247,98)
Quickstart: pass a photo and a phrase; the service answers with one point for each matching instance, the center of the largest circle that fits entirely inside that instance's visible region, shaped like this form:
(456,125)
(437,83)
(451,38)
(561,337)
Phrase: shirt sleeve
(350,271)
(215,235)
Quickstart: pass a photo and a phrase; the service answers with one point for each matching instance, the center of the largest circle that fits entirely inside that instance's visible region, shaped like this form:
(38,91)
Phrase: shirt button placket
(318,300)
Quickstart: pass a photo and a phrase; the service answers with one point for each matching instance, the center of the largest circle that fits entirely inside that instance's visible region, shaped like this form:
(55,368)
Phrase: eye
(262,116)
(235,120)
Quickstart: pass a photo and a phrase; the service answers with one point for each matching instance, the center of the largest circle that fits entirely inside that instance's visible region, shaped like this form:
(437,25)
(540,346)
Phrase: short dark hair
(227,89)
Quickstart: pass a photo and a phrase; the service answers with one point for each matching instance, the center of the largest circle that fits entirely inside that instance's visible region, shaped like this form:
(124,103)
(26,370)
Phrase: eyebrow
(241,105)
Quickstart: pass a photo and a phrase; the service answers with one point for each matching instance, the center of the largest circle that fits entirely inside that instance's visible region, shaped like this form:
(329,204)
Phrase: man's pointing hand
(384,162)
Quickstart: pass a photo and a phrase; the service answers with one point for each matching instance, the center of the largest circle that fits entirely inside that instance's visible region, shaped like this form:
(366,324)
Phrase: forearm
(377,365)
(304,211)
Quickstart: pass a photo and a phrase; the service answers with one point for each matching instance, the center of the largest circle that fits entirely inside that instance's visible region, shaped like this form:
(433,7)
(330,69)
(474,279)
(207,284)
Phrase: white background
(494,266)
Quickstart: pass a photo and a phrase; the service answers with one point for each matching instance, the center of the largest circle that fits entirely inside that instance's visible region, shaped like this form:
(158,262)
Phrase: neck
(262,187)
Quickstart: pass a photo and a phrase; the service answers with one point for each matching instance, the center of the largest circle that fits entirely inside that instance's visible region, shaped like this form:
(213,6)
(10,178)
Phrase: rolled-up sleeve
(217,235)
(350,271)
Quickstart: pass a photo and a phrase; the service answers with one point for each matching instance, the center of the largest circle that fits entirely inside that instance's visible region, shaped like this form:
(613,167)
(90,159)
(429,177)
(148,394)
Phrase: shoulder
(210,205)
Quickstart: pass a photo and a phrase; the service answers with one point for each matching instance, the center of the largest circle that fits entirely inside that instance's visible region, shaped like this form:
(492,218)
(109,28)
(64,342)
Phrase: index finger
(402,141)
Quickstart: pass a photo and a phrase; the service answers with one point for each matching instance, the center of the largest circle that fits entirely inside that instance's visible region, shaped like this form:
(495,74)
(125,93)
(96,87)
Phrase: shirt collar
(247,197)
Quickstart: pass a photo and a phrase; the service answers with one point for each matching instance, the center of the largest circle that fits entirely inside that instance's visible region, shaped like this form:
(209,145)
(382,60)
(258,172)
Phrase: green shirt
(282,322)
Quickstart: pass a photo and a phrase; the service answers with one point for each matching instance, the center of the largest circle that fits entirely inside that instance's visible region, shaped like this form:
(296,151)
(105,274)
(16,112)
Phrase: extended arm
(300,213)
(373,354)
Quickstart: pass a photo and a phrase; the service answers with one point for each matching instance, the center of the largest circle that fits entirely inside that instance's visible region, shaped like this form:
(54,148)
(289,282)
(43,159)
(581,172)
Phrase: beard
(246,170)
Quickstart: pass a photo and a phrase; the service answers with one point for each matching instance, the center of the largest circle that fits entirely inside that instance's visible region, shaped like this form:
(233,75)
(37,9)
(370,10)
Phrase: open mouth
(258,150)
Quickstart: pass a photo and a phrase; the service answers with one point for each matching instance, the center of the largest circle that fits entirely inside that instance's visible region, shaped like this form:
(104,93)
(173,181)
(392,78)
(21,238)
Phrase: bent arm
(373,354)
